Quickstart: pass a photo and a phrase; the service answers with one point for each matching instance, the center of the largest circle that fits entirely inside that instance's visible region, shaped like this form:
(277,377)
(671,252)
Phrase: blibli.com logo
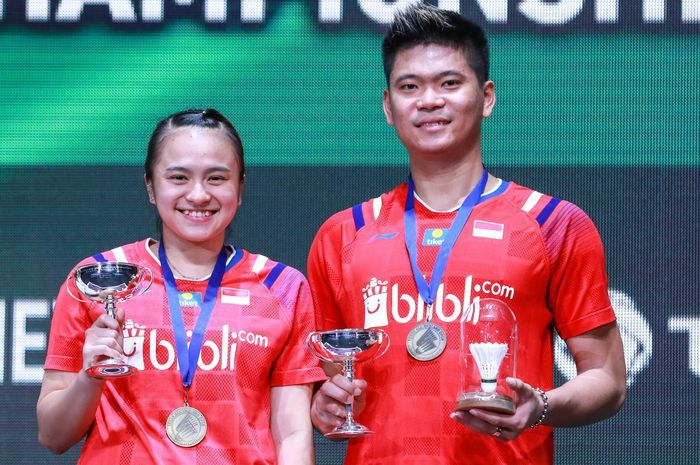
(382,301)
(213,356)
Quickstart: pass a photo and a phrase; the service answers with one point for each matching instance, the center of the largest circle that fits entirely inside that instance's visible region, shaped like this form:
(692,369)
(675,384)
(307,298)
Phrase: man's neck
(444,186)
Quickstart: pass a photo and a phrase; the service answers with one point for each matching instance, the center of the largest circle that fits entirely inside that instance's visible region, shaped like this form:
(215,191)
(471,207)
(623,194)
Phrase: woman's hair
(208,118)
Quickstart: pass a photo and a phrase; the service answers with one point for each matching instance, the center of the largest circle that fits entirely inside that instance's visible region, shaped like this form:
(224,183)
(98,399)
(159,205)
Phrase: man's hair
(420,24)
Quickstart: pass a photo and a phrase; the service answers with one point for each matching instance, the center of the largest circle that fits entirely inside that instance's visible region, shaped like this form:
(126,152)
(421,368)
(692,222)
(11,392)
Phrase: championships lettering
(496,15)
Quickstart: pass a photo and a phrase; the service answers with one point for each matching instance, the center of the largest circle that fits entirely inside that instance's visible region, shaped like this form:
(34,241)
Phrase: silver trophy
(109,283)
(345,347)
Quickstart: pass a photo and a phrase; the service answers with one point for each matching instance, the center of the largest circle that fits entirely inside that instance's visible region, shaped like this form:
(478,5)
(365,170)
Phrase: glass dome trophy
(109,283)
(345,347)
(487,356)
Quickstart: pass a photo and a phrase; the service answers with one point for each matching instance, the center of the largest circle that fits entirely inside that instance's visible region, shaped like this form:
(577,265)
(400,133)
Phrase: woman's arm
(66,408)
(291,424)
(67,401)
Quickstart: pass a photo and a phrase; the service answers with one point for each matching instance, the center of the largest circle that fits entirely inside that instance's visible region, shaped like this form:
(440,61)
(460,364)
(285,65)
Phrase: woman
(244,317)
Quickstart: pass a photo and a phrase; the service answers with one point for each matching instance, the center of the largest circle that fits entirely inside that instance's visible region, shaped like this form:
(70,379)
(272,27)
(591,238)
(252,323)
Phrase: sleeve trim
(586,323)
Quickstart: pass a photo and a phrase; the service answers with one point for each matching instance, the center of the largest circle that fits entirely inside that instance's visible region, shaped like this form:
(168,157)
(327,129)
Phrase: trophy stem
(110,306)
(349,370)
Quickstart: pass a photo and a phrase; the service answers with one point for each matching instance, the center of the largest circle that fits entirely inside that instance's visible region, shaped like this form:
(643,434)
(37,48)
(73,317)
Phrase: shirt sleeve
(578,292)
(296,365)
(325,275)
(69,322)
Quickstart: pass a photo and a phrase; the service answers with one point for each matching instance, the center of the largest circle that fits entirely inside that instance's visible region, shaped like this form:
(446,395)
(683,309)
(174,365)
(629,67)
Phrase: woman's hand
(104,339)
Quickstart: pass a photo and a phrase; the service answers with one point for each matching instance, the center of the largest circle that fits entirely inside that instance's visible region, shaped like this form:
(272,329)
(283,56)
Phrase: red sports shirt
(541,256)
(255,340)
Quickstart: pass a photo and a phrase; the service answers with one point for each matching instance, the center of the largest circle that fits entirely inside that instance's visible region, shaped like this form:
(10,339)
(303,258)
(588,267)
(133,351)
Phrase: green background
(91,94)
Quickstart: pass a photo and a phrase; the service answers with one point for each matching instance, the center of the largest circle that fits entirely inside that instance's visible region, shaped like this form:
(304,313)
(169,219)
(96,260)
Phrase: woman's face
(196,185)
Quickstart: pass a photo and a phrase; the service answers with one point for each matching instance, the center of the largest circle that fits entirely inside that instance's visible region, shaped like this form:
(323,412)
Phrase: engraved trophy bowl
(488,356)
(345,347)
(109,283)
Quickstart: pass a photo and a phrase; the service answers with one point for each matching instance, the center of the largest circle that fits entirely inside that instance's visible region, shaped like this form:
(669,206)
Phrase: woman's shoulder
(267,271)
(134,252)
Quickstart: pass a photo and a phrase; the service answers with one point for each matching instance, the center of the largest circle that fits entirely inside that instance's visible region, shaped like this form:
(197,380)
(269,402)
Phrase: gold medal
(186,426)
(426,341)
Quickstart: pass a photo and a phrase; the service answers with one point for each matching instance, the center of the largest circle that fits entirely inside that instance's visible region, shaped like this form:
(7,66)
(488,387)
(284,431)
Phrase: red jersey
(255,340)
(540,255)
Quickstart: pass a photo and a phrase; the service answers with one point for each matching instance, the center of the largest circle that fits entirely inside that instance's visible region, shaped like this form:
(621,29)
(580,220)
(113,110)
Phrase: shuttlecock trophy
(345,347)
(488,356)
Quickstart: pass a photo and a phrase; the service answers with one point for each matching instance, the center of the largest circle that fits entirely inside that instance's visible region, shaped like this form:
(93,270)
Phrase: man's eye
(451,83)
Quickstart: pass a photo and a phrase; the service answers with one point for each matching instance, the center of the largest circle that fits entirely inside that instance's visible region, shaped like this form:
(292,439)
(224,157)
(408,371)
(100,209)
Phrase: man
(470,234)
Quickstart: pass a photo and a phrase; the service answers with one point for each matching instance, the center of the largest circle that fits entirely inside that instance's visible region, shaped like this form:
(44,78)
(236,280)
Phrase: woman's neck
(191,260)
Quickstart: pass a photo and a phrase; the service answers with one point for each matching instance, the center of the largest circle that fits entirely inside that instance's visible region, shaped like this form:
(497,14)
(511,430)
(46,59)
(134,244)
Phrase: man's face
(435,101)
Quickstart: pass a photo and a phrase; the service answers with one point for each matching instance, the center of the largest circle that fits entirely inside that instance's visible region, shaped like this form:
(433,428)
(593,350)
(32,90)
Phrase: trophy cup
(488,356)
(345,347)
(109,283)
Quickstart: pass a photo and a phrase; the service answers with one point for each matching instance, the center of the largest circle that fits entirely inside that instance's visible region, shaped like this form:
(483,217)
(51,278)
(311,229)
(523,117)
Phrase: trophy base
(486,401)
(349,431)
(111,369)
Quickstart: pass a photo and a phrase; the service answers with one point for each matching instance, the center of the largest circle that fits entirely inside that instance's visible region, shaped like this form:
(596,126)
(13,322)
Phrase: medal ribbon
(429,291)
(187,359)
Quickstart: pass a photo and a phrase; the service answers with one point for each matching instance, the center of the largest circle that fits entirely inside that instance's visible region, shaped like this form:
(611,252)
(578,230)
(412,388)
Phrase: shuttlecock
(488,357)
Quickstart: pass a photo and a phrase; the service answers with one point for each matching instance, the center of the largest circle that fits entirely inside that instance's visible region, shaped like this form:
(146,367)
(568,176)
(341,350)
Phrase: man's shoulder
(541,207)
(356,217)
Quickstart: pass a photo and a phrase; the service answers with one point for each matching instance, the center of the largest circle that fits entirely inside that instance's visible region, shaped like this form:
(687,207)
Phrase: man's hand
(328,407)
(528,409)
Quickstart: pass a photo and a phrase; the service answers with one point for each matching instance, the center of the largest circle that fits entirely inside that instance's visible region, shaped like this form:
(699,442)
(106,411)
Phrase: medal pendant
(186,426)
(426,342)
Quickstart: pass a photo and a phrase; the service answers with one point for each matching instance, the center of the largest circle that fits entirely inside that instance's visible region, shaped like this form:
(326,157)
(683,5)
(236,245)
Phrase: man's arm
(597,392)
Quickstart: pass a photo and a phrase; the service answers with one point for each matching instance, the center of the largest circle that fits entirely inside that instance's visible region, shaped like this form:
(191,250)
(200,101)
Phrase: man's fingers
(339,389)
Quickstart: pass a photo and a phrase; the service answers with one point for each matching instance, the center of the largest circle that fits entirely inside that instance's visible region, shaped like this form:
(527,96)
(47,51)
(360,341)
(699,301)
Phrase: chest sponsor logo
(146,348)
(434,237)
(231,295)
(190,299)
(382,301)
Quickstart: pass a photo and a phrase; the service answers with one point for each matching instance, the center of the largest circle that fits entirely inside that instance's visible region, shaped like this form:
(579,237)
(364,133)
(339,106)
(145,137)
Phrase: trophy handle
(384,343)
(67,284)
(312,342)
(143,285)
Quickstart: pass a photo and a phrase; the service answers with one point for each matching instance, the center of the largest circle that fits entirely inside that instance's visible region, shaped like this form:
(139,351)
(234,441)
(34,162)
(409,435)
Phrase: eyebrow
(207,171)
(449,72)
